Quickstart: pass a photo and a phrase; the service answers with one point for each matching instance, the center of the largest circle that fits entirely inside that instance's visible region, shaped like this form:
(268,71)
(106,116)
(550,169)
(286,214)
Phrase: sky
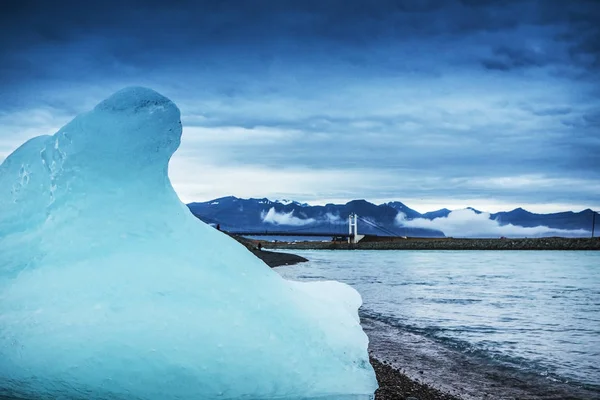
(435,103)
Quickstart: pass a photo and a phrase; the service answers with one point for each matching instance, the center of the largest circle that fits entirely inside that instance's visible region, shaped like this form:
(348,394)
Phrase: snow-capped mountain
(393,218)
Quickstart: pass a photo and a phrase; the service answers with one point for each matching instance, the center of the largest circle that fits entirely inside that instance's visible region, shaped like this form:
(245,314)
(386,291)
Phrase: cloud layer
(469,224)
(277,218)
(437,101)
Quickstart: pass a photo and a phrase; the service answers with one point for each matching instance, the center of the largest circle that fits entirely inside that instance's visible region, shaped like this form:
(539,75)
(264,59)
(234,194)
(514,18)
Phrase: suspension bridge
(336,231)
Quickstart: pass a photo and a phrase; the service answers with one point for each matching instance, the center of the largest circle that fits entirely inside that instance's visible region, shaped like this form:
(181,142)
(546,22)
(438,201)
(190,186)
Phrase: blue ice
(111,289)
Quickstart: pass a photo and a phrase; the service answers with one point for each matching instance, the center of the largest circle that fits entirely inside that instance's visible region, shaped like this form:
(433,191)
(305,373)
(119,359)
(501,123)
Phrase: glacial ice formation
(111,289)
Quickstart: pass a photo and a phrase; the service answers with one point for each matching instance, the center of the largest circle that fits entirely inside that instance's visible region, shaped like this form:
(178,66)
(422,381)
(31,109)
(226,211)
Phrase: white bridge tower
(353,236)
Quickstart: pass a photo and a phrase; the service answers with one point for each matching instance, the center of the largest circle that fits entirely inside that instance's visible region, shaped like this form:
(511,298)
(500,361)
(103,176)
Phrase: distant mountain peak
(287,202)
(476,211)
(395,204)
(225,198)
(520,210)
(441,213)
(358,201)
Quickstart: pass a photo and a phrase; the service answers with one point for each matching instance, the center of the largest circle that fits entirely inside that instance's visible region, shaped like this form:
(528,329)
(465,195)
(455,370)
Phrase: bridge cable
(381,228)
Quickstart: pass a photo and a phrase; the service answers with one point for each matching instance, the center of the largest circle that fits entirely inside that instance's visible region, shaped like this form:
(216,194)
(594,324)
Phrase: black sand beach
(277,259)
(393,385)
(271,258)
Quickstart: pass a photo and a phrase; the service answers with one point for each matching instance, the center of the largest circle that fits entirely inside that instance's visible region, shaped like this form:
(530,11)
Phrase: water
(536,312)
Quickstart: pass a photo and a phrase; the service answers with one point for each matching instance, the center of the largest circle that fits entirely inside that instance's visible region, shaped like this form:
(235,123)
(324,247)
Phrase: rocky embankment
(383,243)
(271,258)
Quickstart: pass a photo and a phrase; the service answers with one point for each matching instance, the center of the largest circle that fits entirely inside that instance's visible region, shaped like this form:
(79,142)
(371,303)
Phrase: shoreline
(383,243)
(271,258)
(447,372)
(393,384)
(408,366)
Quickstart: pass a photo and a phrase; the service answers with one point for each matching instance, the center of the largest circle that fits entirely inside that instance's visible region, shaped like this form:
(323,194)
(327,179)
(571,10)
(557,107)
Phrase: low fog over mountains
(394,218)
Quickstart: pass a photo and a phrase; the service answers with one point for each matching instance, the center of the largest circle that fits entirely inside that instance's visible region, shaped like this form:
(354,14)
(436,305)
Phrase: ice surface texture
(111,289)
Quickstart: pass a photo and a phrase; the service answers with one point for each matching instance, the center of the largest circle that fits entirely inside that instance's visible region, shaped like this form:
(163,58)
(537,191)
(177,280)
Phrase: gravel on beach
(393,385)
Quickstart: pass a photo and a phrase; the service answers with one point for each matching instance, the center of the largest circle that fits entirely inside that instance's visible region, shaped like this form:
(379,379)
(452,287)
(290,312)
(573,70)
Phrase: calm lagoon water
(537,311)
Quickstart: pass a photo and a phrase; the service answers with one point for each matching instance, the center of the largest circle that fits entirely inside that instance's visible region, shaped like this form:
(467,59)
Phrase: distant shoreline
(383,243)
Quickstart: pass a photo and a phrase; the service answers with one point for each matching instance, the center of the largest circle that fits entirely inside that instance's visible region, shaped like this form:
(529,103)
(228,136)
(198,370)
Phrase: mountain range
(393,218)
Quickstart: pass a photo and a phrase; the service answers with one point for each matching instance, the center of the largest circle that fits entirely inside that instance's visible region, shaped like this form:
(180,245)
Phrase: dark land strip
(389,243)
(271,258)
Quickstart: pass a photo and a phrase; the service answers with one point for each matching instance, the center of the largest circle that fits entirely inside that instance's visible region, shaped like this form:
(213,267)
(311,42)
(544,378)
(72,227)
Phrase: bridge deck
(275,233)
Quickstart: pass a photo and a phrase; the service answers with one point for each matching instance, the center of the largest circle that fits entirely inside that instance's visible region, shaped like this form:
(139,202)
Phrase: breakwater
(383,243)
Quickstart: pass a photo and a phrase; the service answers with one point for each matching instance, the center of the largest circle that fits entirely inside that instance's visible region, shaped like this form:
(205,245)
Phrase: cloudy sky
(436,103)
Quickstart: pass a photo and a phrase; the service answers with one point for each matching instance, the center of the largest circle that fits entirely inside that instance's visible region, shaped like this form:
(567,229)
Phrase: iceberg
(111,289)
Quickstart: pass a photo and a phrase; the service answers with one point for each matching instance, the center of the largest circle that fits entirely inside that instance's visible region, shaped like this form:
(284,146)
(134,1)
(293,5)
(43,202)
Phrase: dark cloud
(549,111)
(179,24)
(585,49)
(45,40)
(589,120)
(507,58)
